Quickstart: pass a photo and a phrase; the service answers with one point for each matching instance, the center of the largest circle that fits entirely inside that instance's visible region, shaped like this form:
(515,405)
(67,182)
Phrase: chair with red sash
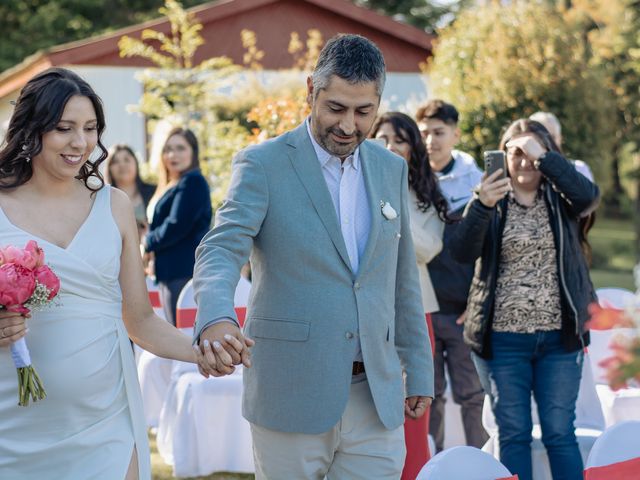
(616,454)
(462,462)
(156,304)
(201,429)
(154,297)
(186,307)
(154,373)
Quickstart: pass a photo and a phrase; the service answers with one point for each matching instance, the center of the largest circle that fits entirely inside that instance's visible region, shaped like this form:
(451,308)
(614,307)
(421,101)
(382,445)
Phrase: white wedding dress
(92,418)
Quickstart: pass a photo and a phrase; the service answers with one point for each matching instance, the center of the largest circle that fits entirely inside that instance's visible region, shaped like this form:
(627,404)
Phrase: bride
(91,424)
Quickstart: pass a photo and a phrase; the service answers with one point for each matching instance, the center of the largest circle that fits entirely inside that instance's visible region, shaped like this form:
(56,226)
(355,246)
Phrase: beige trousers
(357,447)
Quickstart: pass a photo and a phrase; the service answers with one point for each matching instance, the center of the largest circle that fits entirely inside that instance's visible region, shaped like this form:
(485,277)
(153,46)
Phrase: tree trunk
(616,191)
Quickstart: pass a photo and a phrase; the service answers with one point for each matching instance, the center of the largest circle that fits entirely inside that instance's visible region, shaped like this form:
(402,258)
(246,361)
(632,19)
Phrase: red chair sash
(186,317)
(628,469)
(154,298)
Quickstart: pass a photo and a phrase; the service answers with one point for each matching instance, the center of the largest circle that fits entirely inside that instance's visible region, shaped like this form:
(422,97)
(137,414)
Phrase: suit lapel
(368,161)
(305,163)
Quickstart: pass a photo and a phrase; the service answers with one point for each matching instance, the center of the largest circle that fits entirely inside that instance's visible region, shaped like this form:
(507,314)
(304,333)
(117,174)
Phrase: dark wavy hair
(422,180)
(37,111)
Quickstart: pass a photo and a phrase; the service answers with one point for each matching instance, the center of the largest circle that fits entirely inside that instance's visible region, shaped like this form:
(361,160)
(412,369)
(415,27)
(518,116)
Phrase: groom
(335,308)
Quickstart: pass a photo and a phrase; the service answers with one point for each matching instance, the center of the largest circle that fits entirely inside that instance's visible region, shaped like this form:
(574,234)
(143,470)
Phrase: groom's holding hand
(335,306)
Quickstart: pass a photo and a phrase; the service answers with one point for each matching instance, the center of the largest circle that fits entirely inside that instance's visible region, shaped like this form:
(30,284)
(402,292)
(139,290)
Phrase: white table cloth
(617,405)
(201,429)
(154,375)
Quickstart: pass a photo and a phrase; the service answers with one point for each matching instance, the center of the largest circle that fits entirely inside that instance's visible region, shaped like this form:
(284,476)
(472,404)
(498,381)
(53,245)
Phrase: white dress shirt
(345,182)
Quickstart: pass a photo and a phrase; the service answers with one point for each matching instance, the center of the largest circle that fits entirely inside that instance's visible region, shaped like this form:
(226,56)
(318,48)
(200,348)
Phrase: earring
(24,148)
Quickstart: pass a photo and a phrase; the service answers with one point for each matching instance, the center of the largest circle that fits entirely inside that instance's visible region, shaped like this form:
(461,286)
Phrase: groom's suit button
(349,335)
(356,285)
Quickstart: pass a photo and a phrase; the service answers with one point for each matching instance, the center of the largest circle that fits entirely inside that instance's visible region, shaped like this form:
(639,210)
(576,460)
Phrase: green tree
(31,25)
(612,28)
(186,94)
(225,110)
(501,62)
(420,13)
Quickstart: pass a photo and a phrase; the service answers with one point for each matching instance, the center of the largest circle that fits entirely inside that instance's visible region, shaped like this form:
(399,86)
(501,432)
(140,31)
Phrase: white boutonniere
(387,210)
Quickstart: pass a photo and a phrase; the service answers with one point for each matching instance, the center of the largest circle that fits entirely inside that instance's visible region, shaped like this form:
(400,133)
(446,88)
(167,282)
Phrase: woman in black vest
(528,301)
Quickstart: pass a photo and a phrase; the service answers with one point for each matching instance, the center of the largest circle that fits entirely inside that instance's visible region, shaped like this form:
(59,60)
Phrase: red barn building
(97,59)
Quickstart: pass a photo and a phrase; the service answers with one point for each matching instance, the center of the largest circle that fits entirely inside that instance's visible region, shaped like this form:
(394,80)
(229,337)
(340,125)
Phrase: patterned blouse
(528,289)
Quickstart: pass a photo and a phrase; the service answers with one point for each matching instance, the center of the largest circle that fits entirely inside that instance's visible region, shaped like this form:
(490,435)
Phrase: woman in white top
(428,212)
(427,205)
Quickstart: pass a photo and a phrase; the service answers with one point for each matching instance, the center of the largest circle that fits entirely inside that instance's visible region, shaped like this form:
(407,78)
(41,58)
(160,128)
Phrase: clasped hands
(222,346)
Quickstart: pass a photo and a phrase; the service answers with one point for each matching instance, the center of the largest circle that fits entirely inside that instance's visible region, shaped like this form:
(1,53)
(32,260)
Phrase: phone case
(493,160)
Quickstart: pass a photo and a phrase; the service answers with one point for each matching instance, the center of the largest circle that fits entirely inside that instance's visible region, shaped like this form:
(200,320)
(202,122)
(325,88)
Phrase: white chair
(616,454)
(589,424)
(186,310)
(154,373)
(156,304)
(201,429)
(154,297)
(623,404)
(618,298)
(463,463)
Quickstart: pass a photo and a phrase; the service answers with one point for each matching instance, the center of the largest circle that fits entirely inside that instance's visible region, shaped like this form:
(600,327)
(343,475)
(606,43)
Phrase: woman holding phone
(528,301)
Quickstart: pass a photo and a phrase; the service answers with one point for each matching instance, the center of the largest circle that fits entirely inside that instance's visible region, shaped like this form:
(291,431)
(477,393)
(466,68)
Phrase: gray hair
(353,58)
(550,122)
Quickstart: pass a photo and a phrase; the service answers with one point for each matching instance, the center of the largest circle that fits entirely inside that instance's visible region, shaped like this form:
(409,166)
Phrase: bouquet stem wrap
(29,383)
(26,284)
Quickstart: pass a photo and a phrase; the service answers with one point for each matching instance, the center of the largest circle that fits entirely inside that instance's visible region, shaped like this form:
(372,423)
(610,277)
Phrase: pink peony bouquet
(26,284)
(623,367)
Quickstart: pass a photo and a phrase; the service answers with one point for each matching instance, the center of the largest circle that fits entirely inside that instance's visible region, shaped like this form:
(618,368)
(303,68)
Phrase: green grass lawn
(613,255)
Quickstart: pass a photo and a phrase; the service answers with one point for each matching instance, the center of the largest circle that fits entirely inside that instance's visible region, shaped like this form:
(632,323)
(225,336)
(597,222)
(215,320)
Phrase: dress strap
(105,222)
(103,200)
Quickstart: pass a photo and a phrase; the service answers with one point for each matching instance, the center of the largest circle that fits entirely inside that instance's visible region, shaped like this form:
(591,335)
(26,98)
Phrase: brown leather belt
(358,368)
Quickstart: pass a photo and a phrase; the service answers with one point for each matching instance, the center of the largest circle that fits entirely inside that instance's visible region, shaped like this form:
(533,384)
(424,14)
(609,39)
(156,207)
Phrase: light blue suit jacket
(306,303)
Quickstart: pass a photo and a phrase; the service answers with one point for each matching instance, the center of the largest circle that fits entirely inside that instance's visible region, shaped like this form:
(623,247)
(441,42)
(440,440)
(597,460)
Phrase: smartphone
(493,160)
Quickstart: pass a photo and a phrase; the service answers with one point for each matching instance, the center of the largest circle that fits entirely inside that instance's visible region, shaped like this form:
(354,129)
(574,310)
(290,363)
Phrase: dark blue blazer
(181,218)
